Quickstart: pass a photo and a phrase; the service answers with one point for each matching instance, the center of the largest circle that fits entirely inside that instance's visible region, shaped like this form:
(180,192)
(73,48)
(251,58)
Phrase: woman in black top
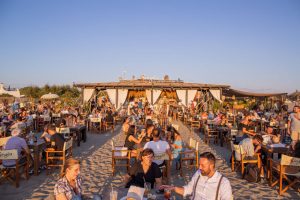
(245,127)
(144,171)
(131,141)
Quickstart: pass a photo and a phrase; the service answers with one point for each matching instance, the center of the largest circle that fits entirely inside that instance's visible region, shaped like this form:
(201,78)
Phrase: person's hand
(169,187)
(288,131)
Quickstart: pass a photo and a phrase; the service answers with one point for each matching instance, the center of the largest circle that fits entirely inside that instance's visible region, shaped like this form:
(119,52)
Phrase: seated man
(57,140)
(158,146)
(271,135)
(250,146)
(206,183)
(16,142)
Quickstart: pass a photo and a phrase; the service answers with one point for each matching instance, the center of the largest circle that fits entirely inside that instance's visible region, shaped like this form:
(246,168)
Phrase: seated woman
(177,147)
(131,142)
(68,187)
(245,127)
(144,171)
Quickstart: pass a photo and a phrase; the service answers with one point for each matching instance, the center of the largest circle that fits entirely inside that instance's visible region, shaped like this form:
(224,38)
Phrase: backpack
(252,173)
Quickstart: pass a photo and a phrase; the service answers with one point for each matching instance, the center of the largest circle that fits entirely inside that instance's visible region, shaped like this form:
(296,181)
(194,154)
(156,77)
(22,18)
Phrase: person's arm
(24,146)
(44,136)
(179,190)
(258,147)
(169,152)
(137,141)
(27,150)
(244,130)
(61,196)
(127,178)
(289,127)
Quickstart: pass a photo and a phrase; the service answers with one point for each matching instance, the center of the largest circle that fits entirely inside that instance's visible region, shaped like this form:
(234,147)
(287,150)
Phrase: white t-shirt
(158,147)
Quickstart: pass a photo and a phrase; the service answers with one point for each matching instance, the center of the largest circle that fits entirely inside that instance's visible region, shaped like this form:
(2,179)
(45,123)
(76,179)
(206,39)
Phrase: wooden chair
(242,160)
(108,125)
(40,123)
(287,167)
(120,154)
(195,124)
(190,157)
(58,158)
(210,133)
(7,173)
(3,141)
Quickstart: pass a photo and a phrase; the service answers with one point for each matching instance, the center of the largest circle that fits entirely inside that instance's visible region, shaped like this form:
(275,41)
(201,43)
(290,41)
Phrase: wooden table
(269,150)
(122,192)
(37,148)
(92,121)
(80,131)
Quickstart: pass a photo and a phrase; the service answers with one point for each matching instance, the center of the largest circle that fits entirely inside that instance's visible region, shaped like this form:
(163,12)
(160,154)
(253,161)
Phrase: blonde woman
(68,187)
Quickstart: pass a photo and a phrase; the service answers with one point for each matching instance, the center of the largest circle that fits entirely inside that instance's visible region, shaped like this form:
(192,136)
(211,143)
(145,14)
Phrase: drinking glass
(167,194)
(147,187)
(113,195)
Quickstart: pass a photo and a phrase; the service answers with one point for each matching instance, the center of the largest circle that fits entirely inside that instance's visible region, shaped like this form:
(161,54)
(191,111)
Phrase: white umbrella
(49,96)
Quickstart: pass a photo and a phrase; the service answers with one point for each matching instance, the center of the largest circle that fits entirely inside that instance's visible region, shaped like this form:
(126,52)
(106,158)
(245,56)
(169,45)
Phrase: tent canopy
(238,93)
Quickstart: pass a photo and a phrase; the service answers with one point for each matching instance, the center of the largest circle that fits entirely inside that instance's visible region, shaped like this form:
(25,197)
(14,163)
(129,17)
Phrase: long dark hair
(131,130)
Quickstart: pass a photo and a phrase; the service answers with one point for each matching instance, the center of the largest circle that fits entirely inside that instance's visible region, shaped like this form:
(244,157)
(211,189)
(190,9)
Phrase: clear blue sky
(252,45)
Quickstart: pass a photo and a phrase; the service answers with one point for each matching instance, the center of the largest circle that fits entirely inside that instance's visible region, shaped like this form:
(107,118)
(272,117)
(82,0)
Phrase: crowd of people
(148,135)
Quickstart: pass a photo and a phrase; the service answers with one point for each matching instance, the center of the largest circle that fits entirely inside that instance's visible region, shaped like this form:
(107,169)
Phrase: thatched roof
(238,93)
(145,84)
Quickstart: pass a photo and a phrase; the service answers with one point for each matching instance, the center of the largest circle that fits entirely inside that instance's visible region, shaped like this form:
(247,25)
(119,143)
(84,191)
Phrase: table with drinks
(37,145)
(149,194)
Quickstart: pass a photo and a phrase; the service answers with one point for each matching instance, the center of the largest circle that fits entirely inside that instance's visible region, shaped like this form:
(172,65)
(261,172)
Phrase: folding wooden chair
(190,157)
(238,157)
(65,131)
(210,133)
(9,172)
(287,167)
(195,124)
(58,158)
(120,154)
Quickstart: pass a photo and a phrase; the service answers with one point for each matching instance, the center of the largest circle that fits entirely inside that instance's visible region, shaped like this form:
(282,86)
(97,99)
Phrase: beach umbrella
(49,96)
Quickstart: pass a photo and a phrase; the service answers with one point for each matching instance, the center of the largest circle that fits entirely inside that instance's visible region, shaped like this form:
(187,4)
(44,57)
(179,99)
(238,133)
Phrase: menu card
(136,193)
